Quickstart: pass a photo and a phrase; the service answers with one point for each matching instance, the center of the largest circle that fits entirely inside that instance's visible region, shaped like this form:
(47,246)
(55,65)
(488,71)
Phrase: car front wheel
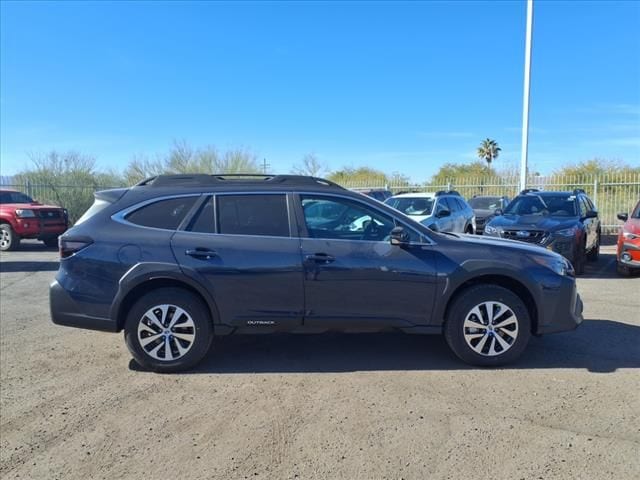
(9,240)
(488,325)
(168,330)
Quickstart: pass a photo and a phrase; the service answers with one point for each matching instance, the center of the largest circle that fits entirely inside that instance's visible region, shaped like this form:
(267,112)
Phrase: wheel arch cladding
(511,284)
(150,285)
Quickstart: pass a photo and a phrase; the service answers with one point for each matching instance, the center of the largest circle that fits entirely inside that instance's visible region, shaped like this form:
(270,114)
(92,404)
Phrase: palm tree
(488,151)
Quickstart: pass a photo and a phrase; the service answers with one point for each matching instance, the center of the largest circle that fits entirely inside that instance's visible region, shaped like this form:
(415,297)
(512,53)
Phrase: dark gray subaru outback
(176,260)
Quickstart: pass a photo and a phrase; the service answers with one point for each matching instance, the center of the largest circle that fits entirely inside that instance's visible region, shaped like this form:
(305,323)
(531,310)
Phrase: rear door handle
(320,258)
(201,253)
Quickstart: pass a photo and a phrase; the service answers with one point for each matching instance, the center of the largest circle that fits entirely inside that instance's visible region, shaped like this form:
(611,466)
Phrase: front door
(240,246)
(354,278)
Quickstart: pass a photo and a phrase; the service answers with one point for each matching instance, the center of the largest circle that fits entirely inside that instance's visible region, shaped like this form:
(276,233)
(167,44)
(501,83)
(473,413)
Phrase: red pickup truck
(22,217)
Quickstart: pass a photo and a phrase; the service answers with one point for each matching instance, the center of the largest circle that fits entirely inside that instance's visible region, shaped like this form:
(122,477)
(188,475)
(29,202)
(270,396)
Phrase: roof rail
(219,179)
(529,190)
(447,192)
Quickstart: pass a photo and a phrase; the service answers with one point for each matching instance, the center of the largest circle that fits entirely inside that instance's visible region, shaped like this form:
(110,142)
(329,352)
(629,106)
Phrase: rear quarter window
(166,214)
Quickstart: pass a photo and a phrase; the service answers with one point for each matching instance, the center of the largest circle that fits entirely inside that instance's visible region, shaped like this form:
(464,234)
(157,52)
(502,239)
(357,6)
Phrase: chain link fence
(612,193)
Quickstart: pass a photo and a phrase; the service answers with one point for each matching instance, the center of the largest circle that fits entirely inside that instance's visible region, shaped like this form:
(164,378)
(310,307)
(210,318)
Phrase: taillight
(70,245)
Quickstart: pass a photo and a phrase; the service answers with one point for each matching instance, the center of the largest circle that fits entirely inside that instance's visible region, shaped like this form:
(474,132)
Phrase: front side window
(14,197)
(260,214)
(344,219)
(166,214)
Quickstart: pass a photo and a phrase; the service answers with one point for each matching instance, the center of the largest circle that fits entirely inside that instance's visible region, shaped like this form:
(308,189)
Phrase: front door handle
(320,258)
(201,253)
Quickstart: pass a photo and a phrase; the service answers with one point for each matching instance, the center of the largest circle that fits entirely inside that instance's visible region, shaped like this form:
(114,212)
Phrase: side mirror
(399,236)
(623,216)
(591,214)
(443,213)
(497,212)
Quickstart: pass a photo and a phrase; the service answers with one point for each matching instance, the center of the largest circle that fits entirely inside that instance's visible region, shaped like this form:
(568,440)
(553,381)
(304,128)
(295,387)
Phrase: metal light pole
(525,98)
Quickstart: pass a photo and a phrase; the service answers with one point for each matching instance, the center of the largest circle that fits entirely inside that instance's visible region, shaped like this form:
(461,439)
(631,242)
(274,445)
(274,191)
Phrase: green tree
(457,172)
(488,151)
(359,177)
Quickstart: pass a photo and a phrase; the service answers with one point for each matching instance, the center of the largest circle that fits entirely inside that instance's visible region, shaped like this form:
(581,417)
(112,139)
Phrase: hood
(526,248)
(632,225)
(483,212)
(30,206)
(533,222)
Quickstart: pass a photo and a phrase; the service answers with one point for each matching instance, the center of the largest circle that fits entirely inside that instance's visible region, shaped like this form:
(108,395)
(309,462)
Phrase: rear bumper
(65,311)
(561,312)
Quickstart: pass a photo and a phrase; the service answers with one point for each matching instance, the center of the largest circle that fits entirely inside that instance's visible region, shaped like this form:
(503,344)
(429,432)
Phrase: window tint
(461,205)
(14,197)
(166,214)
(346,220)
(253,215)
(416,206)
(204,220)
(583,207)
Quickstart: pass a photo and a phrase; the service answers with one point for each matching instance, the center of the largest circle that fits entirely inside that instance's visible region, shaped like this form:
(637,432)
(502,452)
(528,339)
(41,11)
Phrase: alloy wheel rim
(4,240)
(166,332)
(490,328)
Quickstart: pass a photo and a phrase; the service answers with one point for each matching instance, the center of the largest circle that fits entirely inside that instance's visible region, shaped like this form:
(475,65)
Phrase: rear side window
(265,215)
(453,205)
(165,214)
(97,206)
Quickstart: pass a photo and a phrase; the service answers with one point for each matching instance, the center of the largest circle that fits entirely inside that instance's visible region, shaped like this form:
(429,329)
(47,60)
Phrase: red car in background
(628,254)
(22,217)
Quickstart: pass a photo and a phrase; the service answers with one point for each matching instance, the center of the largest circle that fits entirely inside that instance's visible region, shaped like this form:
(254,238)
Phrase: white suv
(443,211)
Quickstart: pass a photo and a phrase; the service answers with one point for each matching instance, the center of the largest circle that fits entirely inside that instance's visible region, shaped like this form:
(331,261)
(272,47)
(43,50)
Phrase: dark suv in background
(484,207)
(177,259)
(564,222)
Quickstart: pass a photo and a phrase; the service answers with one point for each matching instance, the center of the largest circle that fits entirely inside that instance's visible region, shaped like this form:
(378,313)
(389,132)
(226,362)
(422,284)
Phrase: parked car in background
(484,207)
(379,194)
(22,217)
(565,222)
(177,259)
(628,252)
(443,211)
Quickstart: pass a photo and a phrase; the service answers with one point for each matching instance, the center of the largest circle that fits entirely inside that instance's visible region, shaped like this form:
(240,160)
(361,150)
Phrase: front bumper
(38,228)
(564,246)
(629,255)
(561,311)
(66,311)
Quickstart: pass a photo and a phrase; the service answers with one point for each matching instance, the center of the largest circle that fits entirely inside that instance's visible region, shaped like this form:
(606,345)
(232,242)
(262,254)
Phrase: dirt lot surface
(73,406)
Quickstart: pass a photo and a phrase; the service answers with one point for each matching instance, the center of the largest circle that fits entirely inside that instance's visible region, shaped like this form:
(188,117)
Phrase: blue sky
(397,86)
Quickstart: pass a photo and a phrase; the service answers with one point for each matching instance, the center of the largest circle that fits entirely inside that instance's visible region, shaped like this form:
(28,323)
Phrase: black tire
(51,242)
(594,254)
(469,230)
(456,333)
(623,270)
(201,327)
(579,260)
(9,240)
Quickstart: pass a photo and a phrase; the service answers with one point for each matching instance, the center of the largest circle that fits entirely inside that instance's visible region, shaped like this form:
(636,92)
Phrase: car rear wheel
(51,242)
(9,240)
(168,330)
(488,325)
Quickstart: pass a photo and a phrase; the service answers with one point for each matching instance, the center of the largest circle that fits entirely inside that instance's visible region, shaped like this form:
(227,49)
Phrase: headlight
(25,213)
(491,230)
(566,232)
(629,235)
(559,265)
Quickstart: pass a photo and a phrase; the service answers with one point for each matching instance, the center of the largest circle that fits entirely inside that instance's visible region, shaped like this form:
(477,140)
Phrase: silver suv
(443,211)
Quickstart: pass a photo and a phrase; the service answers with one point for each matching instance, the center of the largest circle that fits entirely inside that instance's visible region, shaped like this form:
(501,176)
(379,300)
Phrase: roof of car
(547,193)
(415,195)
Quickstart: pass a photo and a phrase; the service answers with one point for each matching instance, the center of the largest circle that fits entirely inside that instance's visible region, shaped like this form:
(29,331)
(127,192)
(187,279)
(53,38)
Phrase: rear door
(240,246)
(354,278)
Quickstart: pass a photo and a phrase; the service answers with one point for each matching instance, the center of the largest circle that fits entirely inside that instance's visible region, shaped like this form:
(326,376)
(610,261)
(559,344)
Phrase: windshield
(414,206)
(558,205)
(14,197)
(636,212)
(485,203)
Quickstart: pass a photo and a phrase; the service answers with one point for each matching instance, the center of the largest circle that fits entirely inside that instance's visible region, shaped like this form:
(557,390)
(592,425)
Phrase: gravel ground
(73,405)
